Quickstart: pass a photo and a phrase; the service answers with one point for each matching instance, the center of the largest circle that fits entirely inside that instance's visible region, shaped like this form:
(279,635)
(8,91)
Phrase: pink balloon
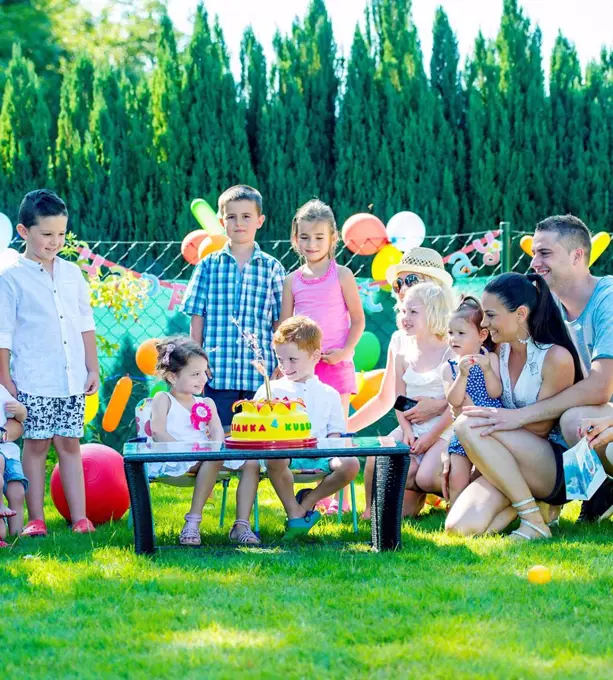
(364,234)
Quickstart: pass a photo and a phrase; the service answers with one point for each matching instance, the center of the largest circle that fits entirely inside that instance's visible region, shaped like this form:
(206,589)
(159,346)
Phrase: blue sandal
(300,526)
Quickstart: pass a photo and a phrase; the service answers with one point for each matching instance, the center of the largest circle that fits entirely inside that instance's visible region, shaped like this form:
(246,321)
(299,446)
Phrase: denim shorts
(13,472)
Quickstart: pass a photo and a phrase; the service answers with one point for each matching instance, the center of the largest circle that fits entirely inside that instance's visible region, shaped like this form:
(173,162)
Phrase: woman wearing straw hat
(417,265)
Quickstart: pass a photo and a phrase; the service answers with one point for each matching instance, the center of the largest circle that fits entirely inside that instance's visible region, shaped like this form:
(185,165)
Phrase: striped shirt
(220,293)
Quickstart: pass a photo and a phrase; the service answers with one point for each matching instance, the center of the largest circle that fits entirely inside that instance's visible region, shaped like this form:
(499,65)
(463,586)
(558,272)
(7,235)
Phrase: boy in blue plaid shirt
(237,282)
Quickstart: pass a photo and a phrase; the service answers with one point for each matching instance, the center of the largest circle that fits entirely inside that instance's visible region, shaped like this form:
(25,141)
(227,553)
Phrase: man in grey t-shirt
(562,247)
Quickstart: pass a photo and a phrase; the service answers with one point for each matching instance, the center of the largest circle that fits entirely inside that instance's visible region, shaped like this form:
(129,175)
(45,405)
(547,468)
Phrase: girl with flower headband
(182,415)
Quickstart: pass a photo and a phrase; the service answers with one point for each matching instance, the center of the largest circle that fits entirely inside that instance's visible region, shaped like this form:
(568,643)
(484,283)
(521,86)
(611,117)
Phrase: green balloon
(159,387)
(367,352)
(206,216)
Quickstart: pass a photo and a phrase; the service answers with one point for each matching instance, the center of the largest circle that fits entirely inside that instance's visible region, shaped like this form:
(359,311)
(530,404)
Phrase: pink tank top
(322,300)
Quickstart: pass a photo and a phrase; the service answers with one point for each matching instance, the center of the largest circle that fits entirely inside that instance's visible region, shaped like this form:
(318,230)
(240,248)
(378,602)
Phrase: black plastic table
(391,467)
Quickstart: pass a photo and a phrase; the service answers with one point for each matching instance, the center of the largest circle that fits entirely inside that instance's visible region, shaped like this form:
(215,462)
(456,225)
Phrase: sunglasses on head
(408,281)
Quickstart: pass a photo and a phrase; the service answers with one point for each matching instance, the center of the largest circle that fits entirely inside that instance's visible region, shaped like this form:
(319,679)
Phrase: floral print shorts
(50,416)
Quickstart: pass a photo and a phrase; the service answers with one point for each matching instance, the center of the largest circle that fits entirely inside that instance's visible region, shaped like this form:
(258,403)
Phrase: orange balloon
(212,243)
(117,404)
(190,245)
(368,386)
(147,356)
(364,234)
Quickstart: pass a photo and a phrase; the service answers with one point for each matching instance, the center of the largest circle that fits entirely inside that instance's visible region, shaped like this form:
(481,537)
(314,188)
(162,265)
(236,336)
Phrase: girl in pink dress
(327,293)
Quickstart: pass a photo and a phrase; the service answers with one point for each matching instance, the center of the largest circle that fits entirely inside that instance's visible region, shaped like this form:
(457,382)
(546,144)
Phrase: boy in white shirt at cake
(297,344)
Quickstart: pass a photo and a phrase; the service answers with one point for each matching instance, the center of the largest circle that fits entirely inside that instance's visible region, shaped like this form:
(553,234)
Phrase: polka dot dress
(477,391)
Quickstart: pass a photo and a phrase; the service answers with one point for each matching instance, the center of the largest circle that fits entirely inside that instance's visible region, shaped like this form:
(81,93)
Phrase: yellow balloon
(600,243)
(525,244)
(92,404)
(386,257)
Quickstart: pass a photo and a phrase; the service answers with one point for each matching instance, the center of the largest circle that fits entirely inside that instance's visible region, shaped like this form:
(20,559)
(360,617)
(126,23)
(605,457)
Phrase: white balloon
(7,258)
(406,230)
(6,232)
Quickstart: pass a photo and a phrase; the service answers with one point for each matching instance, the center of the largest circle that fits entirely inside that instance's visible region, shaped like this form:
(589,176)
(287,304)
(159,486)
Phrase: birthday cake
(281,422)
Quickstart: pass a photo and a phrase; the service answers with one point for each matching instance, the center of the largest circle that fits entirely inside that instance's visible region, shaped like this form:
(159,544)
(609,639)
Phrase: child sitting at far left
(297,343)
(14,482)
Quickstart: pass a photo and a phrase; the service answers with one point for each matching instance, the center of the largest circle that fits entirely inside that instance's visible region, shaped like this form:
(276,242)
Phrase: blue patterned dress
(477,391)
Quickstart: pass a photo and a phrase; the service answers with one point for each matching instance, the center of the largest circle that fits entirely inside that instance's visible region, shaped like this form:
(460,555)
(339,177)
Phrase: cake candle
(253,343)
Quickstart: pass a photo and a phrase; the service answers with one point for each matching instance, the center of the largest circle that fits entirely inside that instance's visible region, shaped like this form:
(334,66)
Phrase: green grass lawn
(442,607)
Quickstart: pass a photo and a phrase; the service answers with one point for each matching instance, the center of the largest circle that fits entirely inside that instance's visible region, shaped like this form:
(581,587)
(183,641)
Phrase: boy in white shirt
(297,344)
(14,482)
(48,334)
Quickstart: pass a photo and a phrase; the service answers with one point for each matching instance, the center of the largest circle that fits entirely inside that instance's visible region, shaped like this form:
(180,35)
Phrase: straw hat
(420,261)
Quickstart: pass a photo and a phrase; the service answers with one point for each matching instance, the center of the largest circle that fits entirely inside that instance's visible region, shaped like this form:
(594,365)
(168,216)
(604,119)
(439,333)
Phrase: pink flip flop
(35,528)
(3,544)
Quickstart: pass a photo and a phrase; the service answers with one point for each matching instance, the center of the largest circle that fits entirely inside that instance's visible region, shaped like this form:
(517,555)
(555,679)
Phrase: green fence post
(505,228)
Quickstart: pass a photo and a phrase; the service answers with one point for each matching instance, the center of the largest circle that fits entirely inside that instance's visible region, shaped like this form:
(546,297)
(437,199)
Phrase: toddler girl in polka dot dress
(473,377)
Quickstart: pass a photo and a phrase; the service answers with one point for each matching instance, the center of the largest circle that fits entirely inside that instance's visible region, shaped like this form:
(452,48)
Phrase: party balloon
(368,386)
(367,352)
(525,243)
(386,257)
(8,257)
(206,216)
(117,404)
(406,230)
(160,386)
(92,403)
(211,244)
(190,245)
(6,232)
(600,243)
(364,234)
(147,356)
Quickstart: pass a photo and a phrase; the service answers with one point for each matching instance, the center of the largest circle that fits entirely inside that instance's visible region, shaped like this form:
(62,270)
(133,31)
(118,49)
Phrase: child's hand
(335,356)
(92,383)
(465,364)
(16,409)
(422,444)
(484,360)
(408,437)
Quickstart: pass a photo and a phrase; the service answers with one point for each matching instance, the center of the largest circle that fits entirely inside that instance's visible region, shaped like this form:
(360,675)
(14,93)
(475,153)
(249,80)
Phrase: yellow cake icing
(276,420)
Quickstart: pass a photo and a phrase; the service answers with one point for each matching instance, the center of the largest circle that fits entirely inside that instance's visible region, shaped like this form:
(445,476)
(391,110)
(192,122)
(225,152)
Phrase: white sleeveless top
(528,385)
(179,425)
(427,384)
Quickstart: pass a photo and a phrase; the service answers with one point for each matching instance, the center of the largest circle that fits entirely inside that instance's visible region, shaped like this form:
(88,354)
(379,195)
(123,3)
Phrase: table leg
(140,501)
(389,480)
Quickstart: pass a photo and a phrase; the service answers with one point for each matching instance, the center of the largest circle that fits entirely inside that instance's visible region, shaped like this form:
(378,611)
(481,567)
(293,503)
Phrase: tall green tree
(170,136)
(216,150)
(313,57)
(24,134)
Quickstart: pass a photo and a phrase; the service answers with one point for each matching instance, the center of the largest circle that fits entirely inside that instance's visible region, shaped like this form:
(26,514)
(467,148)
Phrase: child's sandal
(3,544)
(190,534)
(7,512)
(246,536)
